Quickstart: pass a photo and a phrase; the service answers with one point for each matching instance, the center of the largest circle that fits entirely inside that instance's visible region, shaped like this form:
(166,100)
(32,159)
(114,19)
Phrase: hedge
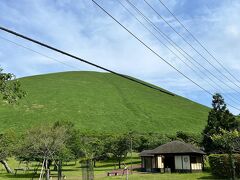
(221,166)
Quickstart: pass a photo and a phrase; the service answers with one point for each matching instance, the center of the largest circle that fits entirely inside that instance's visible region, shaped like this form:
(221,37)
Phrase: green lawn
(173,176)
(74,172)
(101,102)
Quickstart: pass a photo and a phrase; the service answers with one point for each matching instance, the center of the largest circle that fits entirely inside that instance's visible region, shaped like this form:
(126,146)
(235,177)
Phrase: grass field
(101,102)
(73,171)
(173,176)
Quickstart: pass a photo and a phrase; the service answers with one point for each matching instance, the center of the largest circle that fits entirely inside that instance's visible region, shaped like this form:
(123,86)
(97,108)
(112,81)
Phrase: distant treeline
(63,142)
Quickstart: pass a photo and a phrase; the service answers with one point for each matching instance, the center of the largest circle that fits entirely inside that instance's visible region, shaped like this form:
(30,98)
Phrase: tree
(92,147)
(71,141)
(11,92)
(10,88)
(218,118)
(95,149)
(74,143)
(119,146)
(45,144)
(149,141)
(230,142)
(189,137)
(7,143)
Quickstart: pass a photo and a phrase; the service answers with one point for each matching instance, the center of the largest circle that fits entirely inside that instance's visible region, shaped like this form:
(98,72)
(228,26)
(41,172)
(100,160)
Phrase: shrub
(221,166)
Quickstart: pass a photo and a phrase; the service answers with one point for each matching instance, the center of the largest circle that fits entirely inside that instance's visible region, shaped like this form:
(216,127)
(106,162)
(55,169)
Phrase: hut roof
(176,147)
(146,153)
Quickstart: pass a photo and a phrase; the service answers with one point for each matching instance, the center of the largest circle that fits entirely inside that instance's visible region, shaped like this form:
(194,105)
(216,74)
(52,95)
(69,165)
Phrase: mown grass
(101,102)
(73,171)
(173,176)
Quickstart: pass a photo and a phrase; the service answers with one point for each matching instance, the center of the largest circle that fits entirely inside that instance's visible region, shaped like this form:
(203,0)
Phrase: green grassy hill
(101,102)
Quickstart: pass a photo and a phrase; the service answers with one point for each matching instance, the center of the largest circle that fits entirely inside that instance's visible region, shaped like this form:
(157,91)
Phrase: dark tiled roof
(146,153)
(176,147)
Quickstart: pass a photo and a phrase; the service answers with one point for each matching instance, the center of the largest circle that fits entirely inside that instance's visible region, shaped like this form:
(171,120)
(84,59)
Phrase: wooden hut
(148,160)
(175,156)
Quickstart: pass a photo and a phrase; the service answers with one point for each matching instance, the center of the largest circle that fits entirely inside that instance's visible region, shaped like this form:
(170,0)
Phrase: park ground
(73,171)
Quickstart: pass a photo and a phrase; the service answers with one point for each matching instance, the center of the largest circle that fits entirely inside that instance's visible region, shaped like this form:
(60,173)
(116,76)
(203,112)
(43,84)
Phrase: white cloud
(233,30)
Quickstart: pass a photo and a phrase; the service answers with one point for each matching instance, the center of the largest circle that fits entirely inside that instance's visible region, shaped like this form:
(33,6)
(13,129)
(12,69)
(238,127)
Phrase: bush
(221,166)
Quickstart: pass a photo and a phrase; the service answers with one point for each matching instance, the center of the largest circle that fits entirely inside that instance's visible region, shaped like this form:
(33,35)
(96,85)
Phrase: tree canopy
(229,140)
(43,142)
(10,88)
(219,118)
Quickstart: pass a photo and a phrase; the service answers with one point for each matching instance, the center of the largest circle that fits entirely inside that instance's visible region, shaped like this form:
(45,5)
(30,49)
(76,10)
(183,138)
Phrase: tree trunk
(55,167)
(94,163)
(47,170)
(119,164)
(59,170)
(5,164)
(47,174)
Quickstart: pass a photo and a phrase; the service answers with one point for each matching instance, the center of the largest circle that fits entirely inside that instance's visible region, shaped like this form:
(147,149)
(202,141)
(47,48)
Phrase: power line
(149,48)
(82,60)
(194,37)
(201,77)
(190,44)
(32,50)
(174,45)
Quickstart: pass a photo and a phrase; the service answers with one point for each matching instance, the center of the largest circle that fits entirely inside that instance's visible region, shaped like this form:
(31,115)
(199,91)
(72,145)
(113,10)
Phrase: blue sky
(82,29)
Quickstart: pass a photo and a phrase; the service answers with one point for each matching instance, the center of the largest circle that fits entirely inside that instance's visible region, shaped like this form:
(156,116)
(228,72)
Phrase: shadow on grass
(12,176)
(138,169)
(112,164)
(67,170)
(208,170)
(98,168)
(134,162)
(209,177)
(110,169)
(129,158)
(70,164)
(105,165)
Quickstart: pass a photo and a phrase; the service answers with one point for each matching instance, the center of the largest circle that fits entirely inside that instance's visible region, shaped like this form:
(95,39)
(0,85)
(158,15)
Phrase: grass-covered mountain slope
(101,102)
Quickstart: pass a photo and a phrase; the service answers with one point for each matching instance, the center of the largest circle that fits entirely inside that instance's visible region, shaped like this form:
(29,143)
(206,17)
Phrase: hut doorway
(169,162)
(148,164)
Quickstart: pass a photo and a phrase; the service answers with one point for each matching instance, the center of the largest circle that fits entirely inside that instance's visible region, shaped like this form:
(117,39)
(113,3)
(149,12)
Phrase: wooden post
(131,155)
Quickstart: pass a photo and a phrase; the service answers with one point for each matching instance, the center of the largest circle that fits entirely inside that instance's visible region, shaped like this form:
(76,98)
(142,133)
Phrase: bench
(112,174)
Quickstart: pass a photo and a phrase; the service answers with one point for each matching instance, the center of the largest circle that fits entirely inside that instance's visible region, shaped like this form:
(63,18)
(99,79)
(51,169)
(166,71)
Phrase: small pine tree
(218,118)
